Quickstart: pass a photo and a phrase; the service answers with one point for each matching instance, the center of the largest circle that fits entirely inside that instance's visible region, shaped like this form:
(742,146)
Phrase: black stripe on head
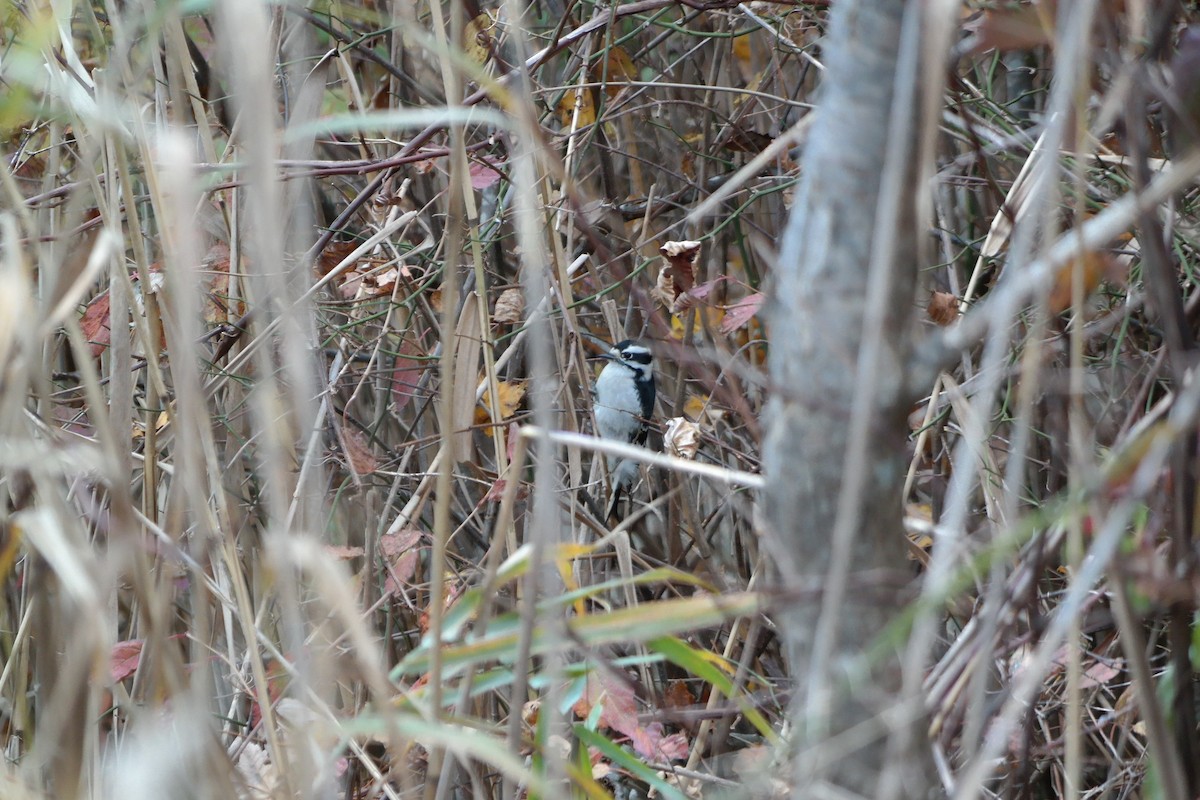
(634,351)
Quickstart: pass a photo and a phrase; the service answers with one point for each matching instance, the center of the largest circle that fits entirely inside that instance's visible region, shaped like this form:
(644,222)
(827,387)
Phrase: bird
(623,402)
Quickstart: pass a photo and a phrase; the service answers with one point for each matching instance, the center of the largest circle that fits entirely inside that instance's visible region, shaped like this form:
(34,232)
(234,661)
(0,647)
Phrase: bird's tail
(623,474)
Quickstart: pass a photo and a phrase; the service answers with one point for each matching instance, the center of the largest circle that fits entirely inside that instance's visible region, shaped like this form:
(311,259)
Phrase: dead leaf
(530,711)
(737,139)
(219,307)
(682,438)
(385,282)
(333,254)
(664,290)
(495,492)
(678,696)
(1182,100)
(942,308)
(706,318)
(358,451)
(468,343)
(1021,27)
(741,312)
(510,307)
(401,555)
(349,284)
(741,48)
(343,552)
(454,590)
(678,276)
(1101,673)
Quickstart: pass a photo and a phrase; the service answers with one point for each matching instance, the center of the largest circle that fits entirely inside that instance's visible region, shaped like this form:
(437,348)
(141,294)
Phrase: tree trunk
(841,318)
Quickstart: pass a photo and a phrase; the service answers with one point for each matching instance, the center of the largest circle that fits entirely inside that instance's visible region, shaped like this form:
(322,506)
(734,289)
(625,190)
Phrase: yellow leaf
(477,38)
(705,315)
(587,109)
(617,68)
(510,394)
(741,48)
(695,406)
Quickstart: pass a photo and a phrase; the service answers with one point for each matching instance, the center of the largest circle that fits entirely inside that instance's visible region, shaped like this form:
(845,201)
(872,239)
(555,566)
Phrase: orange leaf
(1095,268)
(942,308)
(678,695)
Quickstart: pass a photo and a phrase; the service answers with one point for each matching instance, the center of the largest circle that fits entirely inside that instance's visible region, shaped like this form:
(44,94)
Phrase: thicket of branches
(299,307)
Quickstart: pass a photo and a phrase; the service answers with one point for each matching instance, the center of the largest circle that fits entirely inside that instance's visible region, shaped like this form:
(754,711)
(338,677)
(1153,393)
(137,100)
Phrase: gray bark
(841,316)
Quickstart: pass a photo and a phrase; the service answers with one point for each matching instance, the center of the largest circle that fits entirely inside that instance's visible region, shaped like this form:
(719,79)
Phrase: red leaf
(484,173)
(406,374)
(123,661)
(496,492)
(618,705)
(650,743)
(96,324)
(741,312)
(697,295)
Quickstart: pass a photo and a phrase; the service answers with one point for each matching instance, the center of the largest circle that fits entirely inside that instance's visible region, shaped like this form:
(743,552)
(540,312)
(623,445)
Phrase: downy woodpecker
(623,402)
